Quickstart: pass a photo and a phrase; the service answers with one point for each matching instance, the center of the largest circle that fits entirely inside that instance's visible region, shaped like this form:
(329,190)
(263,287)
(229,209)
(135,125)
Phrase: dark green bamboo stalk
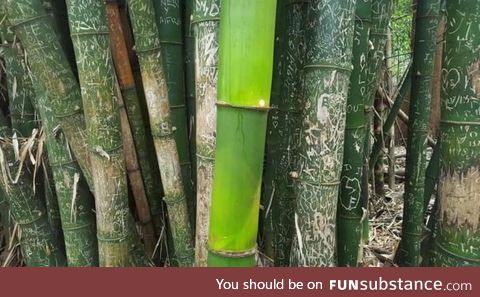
(115,225)
(457,233)
(285,122)
(328,65)
(349,210)
(154,83)
(381,14)
(169,22)
(205,23)
(400,95)
(244,85)
(28,210)
(52,70)
(51,202)
(267,234)
(74,200)
(427,18)
(5,217)
(189,50)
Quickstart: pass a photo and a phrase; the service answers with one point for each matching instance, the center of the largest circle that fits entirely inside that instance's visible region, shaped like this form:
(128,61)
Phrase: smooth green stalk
(327,70)
(51,69)
(457,232)
(349,210)
(244,85)
(401,93)
(427,18)
(154,83)
(115,225)
(205,23)
(169,22)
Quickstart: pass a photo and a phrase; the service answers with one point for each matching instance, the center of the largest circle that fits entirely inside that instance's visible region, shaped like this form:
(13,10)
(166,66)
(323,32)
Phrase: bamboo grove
(244,133)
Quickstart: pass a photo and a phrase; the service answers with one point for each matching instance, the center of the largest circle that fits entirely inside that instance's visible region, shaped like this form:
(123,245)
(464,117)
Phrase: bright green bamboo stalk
(285,123)
(154,83)
(349,210)
(427,18)
(457,233)
(244,85)
(51,69)
(205,23)
(328,65)
(37,241)
(398,99)
(115,225)
(169,22)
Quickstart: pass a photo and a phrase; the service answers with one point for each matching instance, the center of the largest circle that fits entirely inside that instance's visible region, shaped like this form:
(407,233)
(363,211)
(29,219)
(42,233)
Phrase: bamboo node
(252,108)
(234,254)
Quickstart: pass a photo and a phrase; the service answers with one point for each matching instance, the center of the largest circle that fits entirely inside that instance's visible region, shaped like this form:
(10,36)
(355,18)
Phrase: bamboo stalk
(457,233)
(284,129)
(205,23)
(244,85)
(427,19)
(51,68)
(133,120)
(328,66)
(154,83)
(381,14)
(189,50)
(37,241)
(349,210)
(267,233)
(75,202)
(20,186)
(115,225)
(169,21)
